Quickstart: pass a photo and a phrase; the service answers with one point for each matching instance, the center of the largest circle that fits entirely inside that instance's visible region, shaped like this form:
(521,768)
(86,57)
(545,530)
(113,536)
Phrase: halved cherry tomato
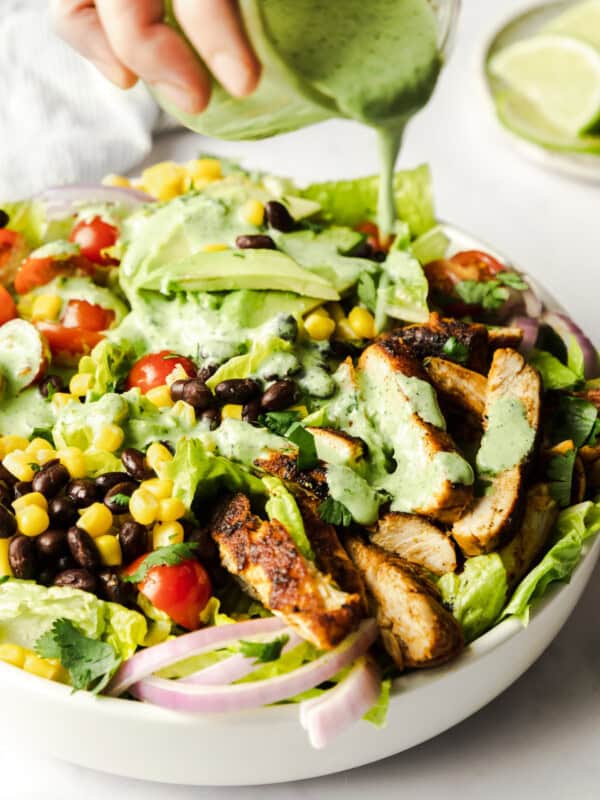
(371,231)
(68,342)
(89,316)
(181,590)
(93,237)
(8,309)
(13,249)
(484,262)
(35,272)
(152,370)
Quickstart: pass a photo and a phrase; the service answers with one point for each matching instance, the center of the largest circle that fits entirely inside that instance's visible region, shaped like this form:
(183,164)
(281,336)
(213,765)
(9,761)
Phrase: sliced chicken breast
(460,386)
(417,540)
(432,338)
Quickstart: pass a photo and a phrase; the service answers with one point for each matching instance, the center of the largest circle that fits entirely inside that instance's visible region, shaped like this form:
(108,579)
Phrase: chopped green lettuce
(28,217)
(555,375)
(431,245)
(404,294)
(272,349)
(108,365)
(282,506)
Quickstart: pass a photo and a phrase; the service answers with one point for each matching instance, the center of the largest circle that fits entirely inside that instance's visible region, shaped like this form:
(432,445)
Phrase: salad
(254,452)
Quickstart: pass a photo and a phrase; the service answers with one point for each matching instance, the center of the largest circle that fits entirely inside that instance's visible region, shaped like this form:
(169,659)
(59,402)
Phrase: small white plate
(268,745)
(582,166)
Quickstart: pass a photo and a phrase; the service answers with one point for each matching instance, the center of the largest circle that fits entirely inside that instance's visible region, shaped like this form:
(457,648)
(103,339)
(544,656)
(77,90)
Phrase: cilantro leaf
(34,466)
(4,578)
(455,350)
(90,663)
(594,434)
(121,499)
(560,473)
(263,652)
(367,291)
(43,433)
(305,442)
(513,280)
(575,419)
(549,340)
(168,556)
(335,513)
(279,422)
(490,295)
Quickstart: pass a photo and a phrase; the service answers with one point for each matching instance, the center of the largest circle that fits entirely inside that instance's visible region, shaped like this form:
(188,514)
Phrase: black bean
(133,539)
(279,395)
(237,390)
(125,489)
(177,390)
(83,492)
(251,410)
(134,462)
(212,416)
(8,523)
(52,544)
(22,487)
(50,384)
(197,394)
(6,494)
(46,576)
(279,217)
(206,372)
(255,241)
(4,218)
(50,479)
(62,512)
(65,562)
(21,557)
(77,579)
(82,548)
(207,550)
(113,589)
(6,476)
(110,479)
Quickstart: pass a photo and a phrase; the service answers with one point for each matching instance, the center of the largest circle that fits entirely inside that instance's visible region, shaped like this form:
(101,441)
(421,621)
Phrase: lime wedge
(558,75)
(580,22)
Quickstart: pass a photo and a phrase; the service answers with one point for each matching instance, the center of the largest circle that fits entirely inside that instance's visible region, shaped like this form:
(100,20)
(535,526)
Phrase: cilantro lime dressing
(508,438)
(20,414)
(348,487)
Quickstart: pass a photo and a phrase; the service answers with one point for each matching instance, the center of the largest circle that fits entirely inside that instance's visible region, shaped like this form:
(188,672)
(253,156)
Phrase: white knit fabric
(61,121)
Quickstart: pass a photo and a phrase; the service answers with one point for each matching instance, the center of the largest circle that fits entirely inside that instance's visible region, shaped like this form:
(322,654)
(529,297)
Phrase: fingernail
(232,73)
(185,98)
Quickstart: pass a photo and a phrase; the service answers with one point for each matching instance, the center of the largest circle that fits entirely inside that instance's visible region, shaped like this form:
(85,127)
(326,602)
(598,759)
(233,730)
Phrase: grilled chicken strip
(337,447)
(505,337)
(430,339)
(521,553)
(494,517)
(284,467)
(431,477)
(461,386)
(417,540)
(266,559)
(416,629)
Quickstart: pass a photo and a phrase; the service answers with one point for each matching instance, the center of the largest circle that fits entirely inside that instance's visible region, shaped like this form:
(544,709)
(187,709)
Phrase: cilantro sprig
(335,513)
(263,652)
(169,556)
(279,422)
(455,350)
(560,472)
(490,295)
(305,442)
(121,499)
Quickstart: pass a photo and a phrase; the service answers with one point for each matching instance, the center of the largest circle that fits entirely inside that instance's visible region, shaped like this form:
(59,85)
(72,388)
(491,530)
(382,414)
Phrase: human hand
(127,40)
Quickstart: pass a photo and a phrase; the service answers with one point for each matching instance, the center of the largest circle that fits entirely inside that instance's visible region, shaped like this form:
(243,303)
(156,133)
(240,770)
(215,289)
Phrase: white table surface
(541,738)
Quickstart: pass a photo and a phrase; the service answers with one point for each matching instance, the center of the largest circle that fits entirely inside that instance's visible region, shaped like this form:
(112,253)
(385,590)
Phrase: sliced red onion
(325,717)
(60,201)
(163,655)
(533,304)
(180,696)
(236,666)
(530,328)
(566,328)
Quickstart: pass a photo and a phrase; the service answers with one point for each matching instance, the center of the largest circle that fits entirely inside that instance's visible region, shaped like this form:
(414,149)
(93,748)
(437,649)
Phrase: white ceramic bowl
(268,746)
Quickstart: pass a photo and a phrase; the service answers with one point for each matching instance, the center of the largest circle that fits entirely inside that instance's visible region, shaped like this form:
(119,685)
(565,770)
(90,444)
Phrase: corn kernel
(44,456)
(177,374)
(61,399)
(166,533)
(171,509)
(80,384)
(5,568)
(161,489)
(253,212)
(204,169)
(10,443)
(336,311)
(13,654)
(157,456)
(165,180)
(110,550)
(37,444)
(143,507)
(109,437)
(231,411)
(18,463)
(30,499)
(32,520)
(47,668)
(160,396)
(343,331)
(214,247)
(321,311)
(301,410)
(116,180)
(46,307)
(318,326)
(362,322)
(184,412)
(73,459)
(96,520)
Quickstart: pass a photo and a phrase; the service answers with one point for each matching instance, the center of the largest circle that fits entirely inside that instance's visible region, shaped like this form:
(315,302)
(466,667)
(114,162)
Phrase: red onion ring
(61,201)
(566,328)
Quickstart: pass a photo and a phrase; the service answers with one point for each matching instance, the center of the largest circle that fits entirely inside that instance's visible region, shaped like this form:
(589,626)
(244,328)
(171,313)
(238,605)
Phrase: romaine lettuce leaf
(243,366)
(108,364)
(282,506)
(28,217)
(404,294)
(555,375)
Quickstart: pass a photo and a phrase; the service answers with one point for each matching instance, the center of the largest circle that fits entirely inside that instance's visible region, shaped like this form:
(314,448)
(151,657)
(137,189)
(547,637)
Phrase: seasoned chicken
(266,559)
(417,540)
(431,477)
(284,467)
(493,517)
(505,337)
(416,629)
(431,339)
(521,553)
(337,447)
(460,386)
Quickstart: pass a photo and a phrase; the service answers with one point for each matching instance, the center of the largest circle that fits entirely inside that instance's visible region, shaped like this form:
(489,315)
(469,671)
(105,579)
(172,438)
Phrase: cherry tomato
(13,249)
(181,590)
(152,370)
(8,309)
(484,262)
(34,272)
(93,237)
(89,316)
(68,343)
(371,231)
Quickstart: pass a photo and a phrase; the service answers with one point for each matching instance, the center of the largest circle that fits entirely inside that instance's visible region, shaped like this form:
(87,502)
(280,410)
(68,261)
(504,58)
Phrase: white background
(541,738)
